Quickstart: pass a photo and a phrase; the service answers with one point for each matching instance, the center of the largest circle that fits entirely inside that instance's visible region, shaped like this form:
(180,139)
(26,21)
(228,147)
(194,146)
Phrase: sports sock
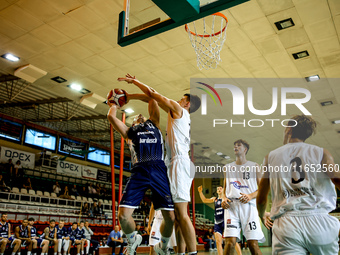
(164,242)
(131,237)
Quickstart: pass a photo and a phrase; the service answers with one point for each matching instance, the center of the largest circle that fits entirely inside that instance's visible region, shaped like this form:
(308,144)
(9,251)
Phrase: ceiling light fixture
(58,79)
(129,110)
(301,54)
(312,78)
(75,86)
(283,24)
(326,103)
(10,57)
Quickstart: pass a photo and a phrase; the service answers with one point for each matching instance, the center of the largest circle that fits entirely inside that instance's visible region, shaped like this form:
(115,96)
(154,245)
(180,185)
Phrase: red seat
(200,241)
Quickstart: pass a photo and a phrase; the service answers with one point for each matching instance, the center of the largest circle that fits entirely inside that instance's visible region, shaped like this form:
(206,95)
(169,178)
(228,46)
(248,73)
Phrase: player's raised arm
(117,123)
(165,103)
(203,198)
(154,112)
(329,167)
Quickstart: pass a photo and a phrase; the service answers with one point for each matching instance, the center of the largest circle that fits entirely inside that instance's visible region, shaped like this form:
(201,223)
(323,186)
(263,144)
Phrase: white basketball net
(208,41)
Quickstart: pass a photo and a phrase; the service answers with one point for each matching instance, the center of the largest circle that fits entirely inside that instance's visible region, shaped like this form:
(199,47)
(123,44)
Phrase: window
(40,139)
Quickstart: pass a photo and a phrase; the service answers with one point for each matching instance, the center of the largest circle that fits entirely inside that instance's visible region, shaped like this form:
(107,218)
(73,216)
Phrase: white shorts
(155,234)
(316,234)
(243,217)
(179,178)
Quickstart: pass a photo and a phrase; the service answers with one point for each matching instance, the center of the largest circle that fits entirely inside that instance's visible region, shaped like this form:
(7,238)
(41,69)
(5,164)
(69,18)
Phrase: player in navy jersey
(81,235)
(219,218)
(36,241)
(5,236)
(75,237)
(23,233)
(50,234)
(149,171)
(63,238)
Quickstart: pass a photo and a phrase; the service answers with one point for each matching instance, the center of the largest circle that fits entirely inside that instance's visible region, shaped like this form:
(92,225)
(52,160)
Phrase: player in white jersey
(177,147)
(240,189)
(302,192)
(154,231)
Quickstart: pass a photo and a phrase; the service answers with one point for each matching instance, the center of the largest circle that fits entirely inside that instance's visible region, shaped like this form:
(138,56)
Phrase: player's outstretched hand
(200,188)
(244,198)
(225,203)
(128,78)
(267,221)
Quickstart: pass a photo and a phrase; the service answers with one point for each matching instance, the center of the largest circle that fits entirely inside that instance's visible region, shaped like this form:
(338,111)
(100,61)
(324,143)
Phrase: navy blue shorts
(219,228)
(148,175)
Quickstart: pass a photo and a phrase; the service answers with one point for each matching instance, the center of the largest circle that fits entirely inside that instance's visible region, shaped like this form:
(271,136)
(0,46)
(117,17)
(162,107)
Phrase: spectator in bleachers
(90,189)
(74,190)
(18,169)
(27,184)
(95,209)
(37,241)
(115,239)
(56,188)
(104,190)
(3,186)
(85,210)
(73,233)
(101,211)
(50,234)
(210,239)
(5,236)
(9,168)
(84,192)
(88,233)
(23,233)
(63,238)
(65,194)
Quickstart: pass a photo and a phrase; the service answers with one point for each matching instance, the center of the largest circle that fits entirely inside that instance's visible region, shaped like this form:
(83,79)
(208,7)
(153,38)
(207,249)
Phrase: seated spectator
(3,186)
(95,209)
(66,194)
(88,233)
(74,190)
(85,211)
(210,239)
(27,184)
(143,233)
(82,191)
(56,188)
(101,211)
(115,239)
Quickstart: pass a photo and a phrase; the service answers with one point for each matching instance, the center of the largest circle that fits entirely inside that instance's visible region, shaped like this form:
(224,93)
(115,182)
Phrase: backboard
(141,19)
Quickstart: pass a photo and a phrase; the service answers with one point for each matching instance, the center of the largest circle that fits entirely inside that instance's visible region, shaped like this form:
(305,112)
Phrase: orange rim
(217,33)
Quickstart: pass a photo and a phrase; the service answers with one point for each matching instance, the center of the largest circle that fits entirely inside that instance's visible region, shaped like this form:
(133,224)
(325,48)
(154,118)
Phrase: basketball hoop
(208,43)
